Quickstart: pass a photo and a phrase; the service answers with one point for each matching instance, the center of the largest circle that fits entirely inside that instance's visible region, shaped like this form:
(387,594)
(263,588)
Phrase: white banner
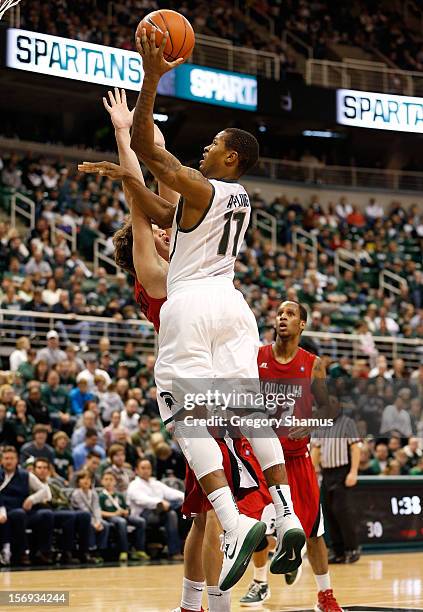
(379,111)
(73,59)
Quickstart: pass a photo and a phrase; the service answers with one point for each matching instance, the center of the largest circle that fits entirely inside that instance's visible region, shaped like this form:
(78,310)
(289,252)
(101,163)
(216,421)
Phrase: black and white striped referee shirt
(334,442)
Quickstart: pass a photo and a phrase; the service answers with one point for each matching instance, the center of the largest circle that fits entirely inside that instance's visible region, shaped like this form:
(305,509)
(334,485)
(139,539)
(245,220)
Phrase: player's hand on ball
(153,62)
(113,171)
(118,109)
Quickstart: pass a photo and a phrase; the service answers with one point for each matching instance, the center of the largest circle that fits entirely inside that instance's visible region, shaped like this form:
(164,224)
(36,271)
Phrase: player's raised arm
(150,268)
(190,183)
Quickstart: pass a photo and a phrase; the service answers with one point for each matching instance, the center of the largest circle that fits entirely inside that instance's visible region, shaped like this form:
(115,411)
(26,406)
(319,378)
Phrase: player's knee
(262,545)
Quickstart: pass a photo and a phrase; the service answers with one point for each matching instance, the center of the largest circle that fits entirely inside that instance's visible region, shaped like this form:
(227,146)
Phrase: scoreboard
(389,510)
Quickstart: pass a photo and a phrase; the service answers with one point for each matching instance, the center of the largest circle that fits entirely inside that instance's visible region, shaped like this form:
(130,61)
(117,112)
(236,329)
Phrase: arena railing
(267,224)
(306,239)
(35,325)
(222,53)
(364,76)
(338,176)
(22,208)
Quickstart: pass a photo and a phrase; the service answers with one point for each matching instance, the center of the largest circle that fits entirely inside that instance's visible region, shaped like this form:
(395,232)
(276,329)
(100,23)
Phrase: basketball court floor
(382,583)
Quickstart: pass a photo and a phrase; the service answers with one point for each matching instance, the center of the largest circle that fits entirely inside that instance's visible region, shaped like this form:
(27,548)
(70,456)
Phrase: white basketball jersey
(210,248)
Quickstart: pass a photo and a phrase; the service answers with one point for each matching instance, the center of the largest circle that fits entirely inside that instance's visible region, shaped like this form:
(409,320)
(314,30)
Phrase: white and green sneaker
(257,593)
(293,577)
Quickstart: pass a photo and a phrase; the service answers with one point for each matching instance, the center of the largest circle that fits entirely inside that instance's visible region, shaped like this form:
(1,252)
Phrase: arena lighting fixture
(160,117)
(321,134)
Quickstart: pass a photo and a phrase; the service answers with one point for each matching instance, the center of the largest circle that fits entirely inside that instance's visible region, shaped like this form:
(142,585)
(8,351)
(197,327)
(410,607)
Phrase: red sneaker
(327,602)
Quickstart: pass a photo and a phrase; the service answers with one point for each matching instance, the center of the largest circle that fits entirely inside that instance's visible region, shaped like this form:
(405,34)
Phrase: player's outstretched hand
(153,62)
(104,168)
(118,109)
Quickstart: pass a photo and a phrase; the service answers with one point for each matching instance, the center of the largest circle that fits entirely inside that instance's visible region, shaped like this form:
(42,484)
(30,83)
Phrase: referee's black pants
(338,508)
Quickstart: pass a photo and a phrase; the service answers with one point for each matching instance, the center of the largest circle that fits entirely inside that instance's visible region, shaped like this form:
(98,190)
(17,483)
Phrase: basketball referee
(337,452)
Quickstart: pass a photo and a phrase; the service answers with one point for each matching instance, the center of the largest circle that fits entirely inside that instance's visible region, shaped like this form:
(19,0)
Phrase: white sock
(281,496)
(260,573)
(192,594)
(219,601)
(225,507)
(322,581)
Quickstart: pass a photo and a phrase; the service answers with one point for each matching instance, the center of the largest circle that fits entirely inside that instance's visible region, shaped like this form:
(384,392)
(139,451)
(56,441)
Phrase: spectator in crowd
(110,402)
(80,452)
(130,416)
(88,422)
(38,447)
(92,466)
(73,524)
(366,467)
(112,430)
(118,466)
(156,503)
(141,438)
(380,460)
(35,406)
(90,372)
(79,396)
(20,355)
(20,492)
(85,498)
(168,461)
(129,359)
(7,431)
(115,511)
(63,460)
(57,400)
(23,423)
(52,354)
(395,418)
(413,451)
(381,369)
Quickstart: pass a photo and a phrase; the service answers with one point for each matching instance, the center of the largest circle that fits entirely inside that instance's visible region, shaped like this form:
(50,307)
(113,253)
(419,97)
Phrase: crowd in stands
(257,25)
(86,441)
(37,275)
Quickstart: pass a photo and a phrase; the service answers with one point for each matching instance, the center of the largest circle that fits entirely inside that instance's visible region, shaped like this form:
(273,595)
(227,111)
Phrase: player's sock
(281,496)
(322,581)
(192,594)
(260,573)
(225,507)
(219,601)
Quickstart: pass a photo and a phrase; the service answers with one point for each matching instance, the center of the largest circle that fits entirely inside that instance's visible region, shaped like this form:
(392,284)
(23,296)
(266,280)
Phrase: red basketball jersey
(293,373)
(150,307)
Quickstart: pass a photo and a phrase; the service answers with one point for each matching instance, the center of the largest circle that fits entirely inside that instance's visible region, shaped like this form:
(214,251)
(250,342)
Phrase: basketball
(181,35)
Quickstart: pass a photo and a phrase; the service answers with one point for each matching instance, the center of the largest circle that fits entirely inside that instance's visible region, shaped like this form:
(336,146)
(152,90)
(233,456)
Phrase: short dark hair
(92,454)
(123,241)
(140,459)
(301,308)
(90,432)
(246,145)
(42,460)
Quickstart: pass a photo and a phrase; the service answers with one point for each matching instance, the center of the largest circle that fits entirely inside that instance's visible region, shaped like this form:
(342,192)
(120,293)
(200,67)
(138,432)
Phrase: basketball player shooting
(207,329)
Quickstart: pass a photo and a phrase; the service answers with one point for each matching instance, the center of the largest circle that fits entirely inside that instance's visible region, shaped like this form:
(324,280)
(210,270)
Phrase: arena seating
(367,25)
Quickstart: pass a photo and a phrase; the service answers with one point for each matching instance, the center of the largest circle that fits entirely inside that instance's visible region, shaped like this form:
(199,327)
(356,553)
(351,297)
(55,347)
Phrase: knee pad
(203,454)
